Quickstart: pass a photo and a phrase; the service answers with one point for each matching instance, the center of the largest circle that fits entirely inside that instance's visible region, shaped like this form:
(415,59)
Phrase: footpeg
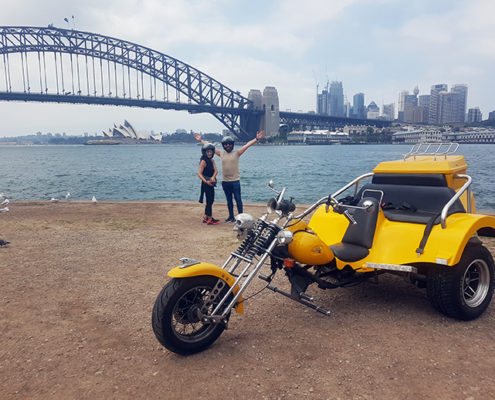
(300,300)
(304,296)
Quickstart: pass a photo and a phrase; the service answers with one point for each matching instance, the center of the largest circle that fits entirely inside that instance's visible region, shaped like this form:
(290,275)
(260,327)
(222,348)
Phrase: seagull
(93,200)
(54,200)
(5,209)
(67,196)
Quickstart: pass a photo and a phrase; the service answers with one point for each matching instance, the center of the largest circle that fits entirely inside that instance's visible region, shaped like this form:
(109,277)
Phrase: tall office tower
(336,100)
(400,104)
(491,115)
(424,100)
(460,100)
(410,105)
(407,105)
(474,115)
(372,111)
(388,111)
(347,108)
(322,103)
(424,107)
(435,103)
(358,109)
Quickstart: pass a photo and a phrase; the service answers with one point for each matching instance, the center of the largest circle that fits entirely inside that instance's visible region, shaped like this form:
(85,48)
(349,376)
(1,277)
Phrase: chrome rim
(476,283)
(186,324)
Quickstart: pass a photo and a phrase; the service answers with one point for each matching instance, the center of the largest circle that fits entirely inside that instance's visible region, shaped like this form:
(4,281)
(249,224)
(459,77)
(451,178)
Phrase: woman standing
(208,173)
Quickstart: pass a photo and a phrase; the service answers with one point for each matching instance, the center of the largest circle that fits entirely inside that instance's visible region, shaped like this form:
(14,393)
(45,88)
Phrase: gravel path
(78,283)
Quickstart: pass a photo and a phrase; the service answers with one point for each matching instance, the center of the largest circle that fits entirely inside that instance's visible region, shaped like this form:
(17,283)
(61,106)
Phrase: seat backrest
(422,198)
(363,231)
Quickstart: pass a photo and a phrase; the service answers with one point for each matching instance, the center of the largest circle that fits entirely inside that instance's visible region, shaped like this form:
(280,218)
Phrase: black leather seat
(358,238)
(412,203)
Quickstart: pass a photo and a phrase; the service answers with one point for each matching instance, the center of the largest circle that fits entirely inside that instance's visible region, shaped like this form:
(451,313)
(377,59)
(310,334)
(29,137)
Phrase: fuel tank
(307,247)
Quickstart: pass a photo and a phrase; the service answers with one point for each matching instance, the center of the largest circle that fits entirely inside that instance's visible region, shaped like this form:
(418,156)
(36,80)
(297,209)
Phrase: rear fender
(396,242)
(460,228)
(203,268)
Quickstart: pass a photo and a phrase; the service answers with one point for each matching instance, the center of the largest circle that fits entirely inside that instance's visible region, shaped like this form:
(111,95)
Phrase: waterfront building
(426,135)
(433,135)
(474,115)
(354,130)
(317,137)
(477,135)
(127,131)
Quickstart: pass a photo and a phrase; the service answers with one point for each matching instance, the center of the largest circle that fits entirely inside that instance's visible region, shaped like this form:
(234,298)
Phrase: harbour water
(169,172)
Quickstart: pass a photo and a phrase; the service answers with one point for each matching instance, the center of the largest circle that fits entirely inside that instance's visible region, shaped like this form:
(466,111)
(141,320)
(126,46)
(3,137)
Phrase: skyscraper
(372,111)
(474,115)
(388,111)
(322,102)
(336,100)
(435,104)
(358,109)
(460,102)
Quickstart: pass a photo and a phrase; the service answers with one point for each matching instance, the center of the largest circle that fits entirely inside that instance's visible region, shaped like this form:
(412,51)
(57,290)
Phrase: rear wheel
(465,290)
(176,314)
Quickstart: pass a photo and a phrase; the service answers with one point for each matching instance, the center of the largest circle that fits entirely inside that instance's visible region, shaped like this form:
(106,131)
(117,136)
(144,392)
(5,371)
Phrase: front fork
(247,280)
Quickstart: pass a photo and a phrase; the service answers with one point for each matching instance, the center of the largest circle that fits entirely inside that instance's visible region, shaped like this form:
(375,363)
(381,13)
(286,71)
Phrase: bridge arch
(203,93)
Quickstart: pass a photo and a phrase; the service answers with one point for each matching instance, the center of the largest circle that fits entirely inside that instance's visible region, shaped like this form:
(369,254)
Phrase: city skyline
(378,48)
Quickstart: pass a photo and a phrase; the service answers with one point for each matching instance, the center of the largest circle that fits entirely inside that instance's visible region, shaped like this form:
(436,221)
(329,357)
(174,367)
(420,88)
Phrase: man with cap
(230,170)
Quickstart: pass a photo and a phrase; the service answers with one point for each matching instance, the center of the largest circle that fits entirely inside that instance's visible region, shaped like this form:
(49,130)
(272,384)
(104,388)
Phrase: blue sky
(377,47)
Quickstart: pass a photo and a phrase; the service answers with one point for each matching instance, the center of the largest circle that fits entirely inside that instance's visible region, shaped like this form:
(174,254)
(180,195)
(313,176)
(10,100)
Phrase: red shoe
(212,221)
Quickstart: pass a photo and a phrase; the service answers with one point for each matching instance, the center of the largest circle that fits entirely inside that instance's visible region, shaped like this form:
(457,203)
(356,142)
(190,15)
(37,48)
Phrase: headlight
(271,206)
(284,237)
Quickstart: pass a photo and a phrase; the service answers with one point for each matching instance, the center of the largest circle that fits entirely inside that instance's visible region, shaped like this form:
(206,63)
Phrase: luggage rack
(432,149)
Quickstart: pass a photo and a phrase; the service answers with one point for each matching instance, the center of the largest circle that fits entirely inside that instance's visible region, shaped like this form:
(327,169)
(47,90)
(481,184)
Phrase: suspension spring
(264,239)
(248,242)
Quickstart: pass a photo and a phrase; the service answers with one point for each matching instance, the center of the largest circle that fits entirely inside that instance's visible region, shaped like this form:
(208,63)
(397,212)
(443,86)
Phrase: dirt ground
(77,287)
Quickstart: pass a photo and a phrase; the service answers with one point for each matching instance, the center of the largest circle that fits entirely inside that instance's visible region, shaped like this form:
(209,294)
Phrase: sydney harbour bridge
(48,64)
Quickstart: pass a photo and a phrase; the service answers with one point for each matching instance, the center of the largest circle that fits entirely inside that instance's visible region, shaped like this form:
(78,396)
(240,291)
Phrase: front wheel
(465,290)
(175,319)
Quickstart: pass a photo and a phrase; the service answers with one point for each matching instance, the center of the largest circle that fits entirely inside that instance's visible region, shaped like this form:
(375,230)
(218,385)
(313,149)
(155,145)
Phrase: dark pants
(233,189)
(209,192)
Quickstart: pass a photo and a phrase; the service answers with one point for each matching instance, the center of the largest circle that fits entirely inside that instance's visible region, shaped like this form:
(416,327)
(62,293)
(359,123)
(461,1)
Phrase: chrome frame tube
(246,282)
(323,200)
(354,182)
(466,186)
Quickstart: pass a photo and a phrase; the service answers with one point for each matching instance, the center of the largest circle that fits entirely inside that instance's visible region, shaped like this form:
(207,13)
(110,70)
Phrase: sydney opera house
(128,133)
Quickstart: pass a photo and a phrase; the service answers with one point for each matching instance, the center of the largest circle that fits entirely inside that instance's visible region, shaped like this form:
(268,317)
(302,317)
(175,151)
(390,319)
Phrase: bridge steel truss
(301,121)
(204,94)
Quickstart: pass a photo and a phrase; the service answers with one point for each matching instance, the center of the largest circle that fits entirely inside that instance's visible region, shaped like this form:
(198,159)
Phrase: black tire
(465,290)
(174,320)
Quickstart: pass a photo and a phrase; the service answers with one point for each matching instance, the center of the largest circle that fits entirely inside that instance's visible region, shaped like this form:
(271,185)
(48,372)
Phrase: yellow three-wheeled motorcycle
(414,217)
